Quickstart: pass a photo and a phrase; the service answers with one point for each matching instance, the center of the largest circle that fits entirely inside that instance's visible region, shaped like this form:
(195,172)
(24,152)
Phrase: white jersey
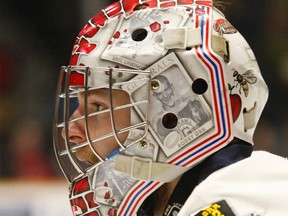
(255,186)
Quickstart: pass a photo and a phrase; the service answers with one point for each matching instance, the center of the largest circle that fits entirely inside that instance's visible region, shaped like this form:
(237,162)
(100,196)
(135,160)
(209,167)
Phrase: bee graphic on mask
(243,80)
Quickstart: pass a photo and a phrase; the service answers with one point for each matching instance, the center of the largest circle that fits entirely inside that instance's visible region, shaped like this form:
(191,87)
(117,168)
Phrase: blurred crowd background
(36,38)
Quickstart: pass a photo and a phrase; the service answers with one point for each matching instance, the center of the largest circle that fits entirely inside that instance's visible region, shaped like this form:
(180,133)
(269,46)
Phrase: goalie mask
(152,89)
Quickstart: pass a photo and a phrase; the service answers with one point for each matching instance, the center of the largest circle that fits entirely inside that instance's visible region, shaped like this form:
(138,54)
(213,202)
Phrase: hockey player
(155,115)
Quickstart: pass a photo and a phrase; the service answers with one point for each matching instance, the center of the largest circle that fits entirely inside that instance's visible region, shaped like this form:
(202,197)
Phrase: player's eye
(99,107)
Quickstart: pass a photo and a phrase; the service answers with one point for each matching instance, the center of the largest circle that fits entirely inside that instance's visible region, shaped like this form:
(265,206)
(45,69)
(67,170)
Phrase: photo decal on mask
(176,118)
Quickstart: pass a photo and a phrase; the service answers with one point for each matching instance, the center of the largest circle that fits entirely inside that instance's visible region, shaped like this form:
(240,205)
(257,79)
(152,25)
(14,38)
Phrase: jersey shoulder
(253,186)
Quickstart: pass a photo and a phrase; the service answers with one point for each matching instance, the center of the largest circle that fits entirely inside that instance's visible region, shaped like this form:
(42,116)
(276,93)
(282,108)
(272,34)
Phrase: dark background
(36,38)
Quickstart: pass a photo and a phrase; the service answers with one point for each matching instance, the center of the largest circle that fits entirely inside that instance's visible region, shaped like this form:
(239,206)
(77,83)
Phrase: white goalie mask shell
(194,85)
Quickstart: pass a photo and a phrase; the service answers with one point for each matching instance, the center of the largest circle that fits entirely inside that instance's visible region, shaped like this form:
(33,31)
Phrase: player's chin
(87,156)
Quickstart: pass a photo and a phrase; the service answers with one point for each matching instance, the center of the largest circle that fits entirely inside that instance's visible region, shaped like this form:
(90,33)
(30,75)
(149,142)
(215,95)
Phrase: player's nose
(76,128)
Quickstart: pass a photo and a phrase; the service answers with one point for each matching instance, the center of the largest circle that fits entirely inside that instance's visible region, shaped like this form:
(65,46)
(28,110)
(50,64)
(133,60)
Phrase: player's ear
(172,87)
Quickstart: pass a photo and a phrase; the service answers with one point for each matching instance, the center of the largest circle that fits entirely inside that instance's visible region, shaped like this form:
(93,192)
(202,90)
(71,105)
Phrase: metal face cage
(80,81)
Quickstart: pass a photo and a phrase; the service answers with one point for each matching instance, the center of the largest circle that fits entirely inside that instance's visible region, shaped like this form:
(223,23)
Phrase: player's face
(98,125)
(166,96)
